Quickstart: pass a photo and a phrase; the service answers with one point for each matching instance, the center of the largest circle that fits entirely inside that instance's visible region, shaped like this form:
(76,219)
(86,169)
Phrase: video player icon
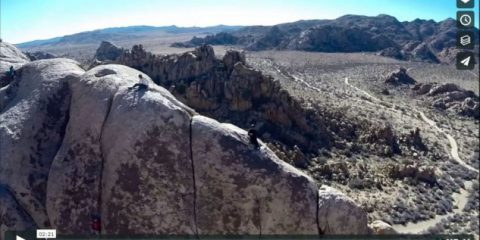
(19,238)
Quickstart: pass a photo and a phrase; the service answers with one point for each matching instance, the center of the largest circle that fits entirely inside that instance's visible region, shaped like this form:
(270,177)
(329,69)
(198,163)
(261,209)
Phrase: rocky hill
(78,143)
(418,40)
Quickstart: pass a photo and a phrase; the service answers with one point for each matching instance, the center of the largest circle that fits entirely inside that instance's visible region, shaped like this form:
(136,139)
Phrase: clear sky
(26,20)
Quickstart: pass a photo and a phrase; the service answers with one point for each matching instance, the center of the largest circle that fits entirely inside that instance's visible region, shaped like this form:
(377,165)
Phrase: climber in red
(96,223)
(142,83)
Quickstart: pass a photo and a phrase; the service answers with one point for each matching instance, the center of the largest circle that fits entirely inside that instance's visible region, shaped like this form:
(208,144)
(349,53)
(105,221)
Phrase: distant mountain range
(418,40)
(122,33)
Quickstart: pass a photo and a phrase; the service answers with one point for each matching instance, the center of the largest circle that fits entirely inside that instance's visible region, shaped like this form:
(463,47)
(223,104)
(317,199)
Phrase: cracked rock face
(148,176)
(275,198)
(76,144)
(75,175)
(32,125)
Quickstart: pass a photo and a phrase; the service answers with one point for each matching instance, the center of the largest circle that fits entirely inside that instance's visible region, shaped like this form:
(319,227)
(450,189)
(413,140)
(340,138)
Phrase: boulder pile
(399,77)
(450,97)
(413,171)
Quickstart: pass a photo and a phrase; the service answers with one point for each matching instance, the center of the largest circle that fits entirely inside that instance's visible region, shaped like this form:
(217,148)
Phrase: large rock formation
(77,186)
(153,180)
(108,52)
(228,89)
(228,202)
(450,97)
(32,127)
(76,144)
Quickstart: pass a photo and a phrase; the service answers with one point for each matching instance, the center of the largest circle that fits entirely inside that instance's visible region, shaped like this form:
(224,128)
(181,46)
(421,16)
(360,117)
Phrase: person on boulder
(142,83)
(11,73)
(252,134)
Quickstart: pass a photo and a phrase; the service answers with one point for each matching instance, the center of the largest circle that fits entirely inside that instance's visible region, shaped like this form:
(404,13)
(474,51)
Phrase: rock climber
(252,134)
(11,72)
(142,83)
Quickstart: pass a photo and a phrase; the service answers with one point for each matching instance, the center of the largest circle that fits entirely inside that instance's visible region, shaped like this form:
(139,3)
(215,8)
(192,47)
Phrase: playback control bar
(466,35)
(45,235)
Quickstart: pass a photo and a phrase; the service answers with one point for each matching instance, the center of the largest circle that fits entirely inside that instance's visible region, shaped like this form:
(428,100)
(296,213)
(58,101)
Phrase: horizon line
(234,25)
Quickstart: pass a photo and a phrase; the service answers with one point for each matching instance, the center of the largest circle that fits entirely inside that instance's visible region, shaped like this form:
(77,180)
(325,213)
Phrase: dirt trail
(451,140)
(295,78)
(362,91)
(460,199)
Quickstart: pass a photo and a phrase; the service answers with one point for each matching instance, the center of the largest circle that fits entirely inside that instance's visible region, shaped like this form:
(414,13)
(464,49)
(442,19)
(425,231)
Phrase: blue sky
(26,20)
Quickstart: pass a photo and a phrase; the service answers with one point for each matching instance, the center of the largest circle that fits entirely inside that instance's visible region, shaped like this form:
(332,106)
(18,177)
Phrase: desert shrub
(356,182)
